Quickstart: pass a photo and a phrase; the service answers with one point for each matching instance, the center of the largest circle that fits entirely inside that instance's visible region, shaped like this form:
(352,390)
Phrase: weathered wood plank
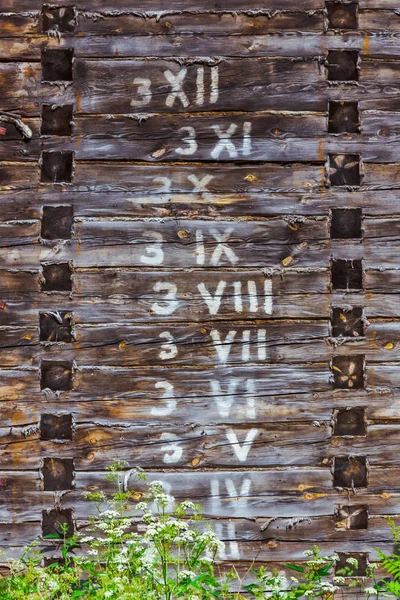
(184,244)
(379,20)
(204,344)
(259,197)
(114,383)
(205,145)
(236,531)
(21,80)
(243,84)
(217,23)
(217,446)
(270,494)
(147,298)
(164,6)
(236,405)
(287,44)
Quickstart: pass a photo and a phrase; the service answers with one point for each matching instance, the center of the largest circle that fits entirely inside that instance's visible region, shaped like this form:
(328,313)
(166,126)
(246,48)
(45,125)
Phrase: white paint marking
(261,344)
(246,148)
(170,349)
(165,184)
(214,85)
(170,304)
(190,140)
(173,450)
(213,302)
(268,297)
(176,82)
(155,252)
(223,348)
(243,450)
(144,90)
(224,401)
(200,86)
(222,247)
(246,345)
(251,412)
(231,549)
(237,296)
(252,290)
(200,185)
(168,396)
(200,251)
(224,141)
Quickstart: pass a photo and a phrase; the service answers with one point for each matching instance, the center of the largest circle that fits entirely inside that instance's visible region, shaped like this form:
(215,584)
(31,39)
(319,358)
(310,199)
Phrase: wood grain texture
(187,288)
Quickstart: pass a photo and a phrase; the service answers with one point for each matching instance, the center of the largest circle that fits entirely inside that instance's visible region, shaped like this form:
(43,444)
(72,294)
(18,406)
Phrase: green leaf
(295,568)
(325,570)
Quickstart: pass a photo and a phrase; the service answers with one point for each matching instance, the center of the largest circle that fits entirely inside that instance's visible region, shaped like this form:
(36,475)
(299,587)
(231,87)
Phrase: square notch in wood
(56,120)
(58,474)
(57,65)
(61,19)
(344,170)
(350,421)
(346,223)
(342,16)
(56,326)
(57,222)
(56,375)
(351,518)
(343,65)
(346,275)
(350,472)
(361,558)
(348,372)
(52,521)
(55,427)
(347,322)
(57,277)
(343,117)
(56,167)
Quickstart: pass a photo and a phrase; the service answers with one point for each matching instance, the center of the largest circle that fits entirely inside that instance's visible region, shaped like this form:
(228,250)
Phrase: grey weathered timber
(199,245)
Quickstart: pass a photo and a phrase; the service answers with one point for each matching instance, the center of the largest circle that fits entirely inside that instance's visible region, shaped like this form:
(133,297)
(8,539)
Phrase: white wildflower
(370,591)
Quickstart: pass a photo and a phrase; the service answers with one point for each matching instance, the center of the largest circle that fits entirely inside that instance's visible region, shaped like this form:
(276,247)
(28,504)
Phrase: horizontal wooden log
(287,493)
(161,6)
(233,532)
(188,44)
(235,405)
(262,197)
(256,137)
(114,383)
(204,344)
(25,79)
(268,84)
(378,20)
(205,147)
(274,243)
(218,446)
(183,244)
(123,23)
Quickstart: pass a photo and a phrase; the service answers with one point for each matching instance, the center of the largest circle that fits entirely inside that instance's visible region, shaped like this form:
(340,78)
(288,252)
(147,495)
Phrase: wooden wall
(199,264)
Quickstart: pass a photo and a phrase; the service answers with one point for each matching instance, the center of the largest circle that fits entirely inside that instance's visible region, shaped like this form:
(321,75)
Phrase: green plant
(149,550)
(148,547)
(311,580)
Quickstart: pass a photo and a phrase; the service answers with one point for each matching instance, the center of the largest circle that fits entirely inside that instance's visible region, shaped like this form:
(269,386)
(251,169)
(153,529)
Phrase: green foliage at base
(157,549)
